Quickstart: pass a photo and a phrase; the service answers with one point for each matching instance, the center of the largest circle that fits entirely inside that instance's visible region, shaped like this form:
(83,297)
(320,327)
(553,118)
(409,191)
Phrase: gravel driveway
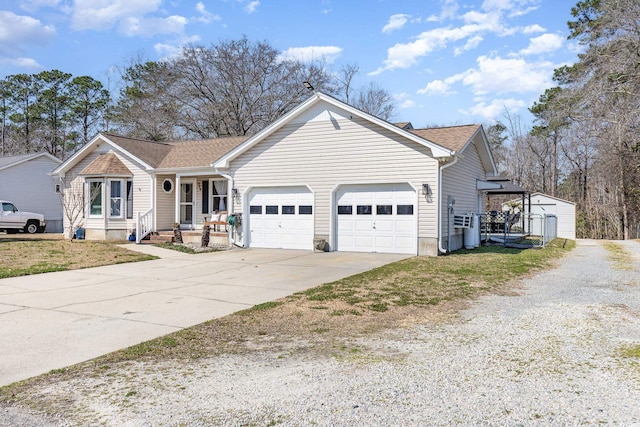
(548,355)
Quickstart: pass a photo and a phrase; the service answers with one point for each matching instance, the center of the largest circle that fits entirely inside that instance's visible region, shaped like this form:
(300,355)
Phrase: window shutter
(205,197)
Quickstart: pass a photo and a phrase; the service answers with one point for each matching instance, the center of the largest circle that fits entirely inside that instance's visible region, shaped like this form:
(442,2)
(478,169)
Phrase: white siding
(459,181)
(329,149)
(141,193)
(565,212)
(31,189)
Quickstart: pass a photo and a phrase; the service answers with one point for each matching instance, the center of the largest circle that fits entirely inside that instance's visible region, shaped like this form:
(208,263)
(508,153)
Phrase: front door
(187,207)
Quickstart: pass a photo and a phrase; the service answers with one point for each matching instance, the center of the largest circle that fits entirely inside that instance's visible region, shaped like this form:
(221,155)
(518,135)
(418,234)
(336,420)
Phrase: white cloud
(149,26)
(26,64)
(311,53)
(472,43)
(405,55)
(449,9)
(404,100)
(439,87)
(252,6)
(544,43)
(535,28)
(129,15)
(33,5)
(205,17)
(515,75)
(17,31)
(495,108)
(514,7)
(396,22)
(407,103)
(166,50)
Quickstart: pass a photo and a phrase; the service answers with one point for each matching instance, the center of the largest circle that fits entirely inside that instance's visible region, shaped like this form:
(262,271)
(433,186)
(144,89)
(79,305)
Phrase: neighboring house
(564,210)
(324,175)
(24,180)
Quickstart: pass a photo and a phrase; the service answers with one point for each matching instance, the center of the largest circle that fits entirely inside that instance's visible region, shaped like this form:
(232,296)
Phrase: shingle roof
(150,152)
(9,161)
(178,154)
(451,137)
(199,153)
(106,164)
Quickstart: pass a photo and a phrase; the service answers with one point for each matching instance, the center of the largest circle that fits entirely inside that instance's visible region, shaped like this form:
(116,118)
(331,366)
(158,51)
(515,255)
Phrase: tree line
(584,145)
(233,88)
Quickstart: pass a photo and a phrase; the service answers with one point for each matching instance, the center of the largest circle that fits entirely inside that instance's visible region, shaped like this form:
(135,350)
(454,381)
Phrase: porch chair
(219,219)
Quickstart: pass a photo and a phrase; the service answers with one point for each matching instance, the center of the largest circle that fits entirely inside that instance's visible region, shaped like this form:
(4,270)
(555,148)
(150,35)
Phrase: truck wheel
(31,227)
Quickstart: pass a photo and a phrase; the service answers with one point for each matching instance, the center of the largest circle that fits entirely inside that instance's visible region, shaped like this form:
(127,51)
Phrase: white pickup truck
(13,220)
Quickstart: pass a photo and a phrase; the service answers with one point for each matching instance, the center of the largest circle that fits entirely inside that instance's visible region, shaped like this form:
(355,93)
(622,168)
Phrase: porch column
(177,196)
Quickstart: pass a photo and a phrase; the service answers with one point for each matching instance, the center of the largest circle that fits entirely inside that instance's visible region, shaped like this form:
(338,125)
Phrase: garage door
(281,218)
(380,218)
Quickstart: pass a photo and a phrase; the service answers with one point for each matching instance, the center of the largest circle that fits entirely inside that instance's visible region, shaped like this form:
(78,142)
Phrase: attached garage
(281,217)
(376,218)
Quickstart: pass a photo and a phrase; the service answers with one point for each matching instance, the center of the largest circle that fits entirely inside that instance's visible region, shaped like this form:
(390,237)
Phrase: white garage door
(281,218)
(380,218)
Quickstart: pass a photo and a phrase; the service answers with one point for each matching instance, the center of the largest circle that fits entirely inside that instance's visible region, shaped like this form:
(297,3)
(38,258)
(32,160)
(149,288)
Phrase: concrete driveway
(54,320)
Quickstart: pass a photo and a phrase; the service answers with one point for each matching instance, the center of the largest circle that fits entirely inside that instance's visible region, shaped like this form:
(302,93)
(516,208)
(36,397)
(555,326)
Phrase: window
(116,201)
(384,209)
(9,207)
(345,210)
(255,210)
(364,210)
(288,210)
(95,198)
(219,195)
(167,185)
(305,210)
(129,199)
(405,209)
(271,210)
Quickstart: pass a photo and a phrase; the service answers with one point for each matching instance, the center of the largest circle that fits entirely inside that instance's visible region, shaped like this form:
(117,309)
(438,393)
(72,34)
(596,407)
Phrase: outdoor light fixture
(234,192)
(307,85)
(426,189)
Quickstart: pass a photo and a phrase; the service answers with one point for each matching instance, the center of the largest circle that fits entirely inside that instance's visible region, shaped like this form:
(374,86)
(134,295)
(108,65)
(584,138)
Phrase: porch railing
(144,224)
(518,230)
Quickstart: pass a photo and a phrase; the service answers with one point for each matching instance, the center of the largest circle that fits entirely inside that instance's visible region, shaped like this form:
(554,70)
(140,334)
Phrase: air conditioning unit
(463,221)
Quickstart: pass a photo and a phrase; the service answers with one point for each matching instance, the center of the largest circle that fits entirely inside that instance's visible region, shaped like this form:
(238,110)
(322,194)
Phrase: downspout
(440,169)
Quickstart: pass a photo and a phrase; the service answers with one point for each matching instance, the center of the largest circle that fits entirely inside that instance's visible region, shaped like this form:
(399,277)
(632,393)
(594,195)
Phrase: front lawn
(23,254)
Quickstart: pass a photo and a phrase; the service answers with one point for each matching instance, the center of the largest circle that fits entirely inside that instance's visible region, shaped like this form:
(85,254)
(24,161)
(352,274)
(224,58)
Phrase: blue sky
(444,61)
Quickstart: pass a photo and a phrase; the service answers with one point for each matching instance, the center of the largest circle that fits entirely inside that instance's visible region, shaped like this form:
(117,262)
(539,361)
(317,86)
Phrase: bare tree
(375,101)
(71,192)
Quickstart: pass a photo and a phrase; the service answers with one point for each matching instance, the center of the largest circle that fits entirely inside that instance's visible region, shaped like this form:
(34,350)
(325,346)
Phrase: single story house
(325,175)
(540,204)
(24,180)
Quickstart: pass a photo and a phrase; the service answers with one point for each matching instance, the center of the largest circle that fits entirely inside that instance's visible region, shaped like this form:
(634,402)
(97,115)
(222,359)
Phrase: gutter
(440,169)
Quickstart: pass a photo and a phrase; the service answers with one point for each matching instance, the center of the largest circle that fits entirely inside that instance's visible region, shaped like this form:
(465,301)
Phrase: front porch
(187,202)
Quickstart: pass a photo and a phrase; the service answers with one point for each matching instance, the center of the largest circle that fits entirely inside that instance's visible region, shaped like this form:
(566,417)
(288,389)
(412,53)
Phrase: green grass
(617,254)
(630,351)
(422,281)
(34,254)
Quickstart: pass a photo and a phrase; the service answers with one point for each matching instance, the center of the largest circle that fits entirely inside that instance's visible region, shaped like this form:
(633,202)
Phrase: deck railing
(532,230)
(144,224)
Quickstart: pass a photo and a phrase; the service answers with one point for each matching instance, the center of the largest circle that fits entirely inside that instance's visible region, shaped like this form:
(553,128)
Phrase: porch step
(161,237)
(188,236)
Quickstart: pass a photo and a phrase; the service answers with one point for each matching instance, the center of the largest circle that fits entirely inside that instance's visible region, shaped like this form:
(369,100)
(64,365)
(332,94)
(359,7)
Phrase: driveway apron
(53,320)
